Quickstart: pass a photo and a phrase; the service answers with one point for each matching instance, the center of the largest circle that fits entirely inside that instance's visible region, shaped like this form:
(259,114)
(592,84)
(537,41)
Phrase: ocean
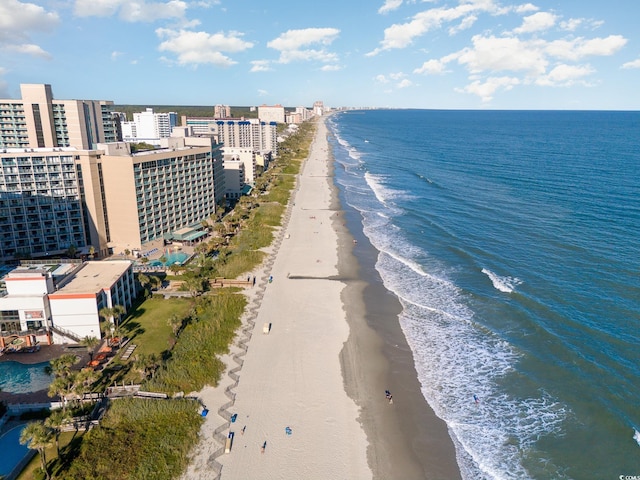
(512,241)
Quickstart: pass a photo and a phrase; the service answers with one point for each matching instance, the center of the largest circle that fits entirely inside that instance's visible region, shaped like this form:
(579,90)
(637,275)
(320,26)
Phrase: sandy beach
(310,399)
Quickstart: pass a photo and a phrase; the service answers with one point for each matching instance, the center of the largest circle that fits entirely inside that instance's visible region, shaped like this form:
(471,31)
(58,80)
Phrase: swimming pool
(175,257)
(20,378)
(12,451)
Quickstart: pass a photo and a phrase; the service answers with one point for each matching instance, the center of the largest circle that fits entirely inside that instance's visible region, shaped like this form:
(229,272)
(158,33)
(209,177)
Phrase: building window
(37,120)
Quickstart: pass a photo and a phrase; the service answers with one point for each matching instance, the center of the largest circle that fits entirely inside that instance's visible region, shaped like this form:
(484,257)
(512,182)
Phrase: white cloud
(578,48)
(260,66)
(295,39)
(389,5)
(29,49)
(405,83)
(526,8)
(115,54)
(632,64)
(402,35)
(486,90)
(201,47)
(18,20)
(432,67)
(536,22)
(131,11)
(565,75)
(381,79)
(262,93)
(572,24)
(503,54)
(465,24)
(330,68)
(291,43)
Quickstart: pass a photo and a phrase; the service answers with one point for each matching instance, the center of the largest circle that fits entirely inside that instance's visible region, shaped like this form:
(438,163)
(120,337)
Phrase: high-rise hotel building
(37,120)
(107,198)
(65,182)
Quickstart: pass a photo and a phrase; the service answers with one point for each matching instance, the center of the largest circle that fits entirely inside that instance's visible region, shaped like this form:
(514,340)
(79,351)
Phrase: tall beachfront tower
(254,133)
(41,205)
(109,198)
(145,196)
(37,120)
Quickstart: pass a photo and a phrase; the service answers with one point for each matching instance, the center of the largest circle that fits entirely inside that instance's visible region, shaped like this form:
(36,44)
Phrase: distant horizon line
(345,108)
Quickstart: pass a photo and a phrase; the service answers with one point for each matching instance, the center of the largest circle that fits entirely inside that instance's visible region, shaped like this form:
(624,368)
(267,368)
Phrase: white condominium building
(55,303)
(149,126)
(253,133)
(37,120)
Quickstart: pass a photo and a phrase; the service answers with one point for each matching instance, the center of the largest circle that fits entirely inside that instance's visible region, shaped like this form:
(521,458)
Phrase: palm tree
(143,280)
(63,383)
(105,313)
(147,364)
(112,313)
(118,311)
(91,343)
(37,436)
(154,282)
(55,421)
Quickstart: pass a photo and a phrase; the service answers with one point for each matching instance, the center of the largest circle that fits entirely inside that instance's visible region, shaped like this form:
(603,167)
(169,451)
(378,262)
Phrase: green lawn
(147,326)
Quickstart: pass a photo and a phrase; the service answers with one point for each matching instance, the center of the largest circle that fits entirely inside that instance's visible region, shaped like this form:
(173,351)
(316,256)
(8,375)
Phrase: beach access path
(291,376)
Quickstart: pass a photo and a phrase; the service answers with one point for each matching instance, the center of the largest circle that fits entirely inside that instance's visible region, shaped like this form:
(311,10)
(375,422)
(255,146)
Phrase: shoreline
(311,387)
(406,440)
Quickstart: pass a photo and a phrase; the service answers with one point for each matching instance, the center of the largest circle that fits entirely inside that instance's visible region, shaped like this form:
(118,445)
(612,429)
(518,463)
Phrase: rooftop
(95,276)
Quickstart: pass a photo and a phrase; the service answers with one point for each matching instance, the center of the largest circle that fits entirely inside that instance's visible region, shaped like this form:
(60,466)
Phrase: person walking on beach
(476,399)
(264,446)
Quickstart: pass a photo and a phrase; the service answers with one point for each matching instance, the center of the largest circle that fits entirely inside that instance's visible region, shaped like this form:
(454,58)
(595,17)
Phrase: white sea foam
(504,284)
(636,436)
(455,356)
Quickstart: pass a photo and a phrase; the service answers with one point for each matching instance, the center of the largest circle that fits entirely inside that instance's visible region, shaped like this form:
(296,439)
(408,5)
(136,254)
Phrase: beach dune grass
(139,439)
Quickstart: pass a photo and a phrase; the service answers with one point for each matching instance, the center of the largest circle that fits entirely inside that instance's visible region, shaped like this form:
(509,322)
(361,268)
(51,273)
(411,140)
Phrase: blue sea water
(512,240)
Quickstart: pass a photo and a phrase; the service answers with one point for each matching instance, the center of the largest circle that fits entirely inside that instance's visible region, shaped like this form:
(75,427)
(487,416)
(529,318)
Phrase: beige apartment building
(268,113)
(141,197)
(108,198)
(37,120)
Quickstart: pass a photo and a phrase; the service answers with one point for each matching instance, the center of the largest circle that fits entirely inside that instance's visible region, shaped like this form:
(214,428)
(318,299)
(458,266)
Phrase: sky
(440,54)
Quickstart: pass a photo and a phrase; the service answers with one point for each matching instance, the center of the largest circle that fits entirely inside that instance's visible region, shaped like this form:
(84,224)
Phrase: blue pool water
(176,257)
(12,451)
(19,378)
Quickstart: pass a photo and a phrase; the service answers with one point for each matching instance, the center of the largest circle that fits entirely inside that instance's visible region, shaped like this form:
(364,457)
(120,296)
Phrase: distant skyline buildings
(149,126)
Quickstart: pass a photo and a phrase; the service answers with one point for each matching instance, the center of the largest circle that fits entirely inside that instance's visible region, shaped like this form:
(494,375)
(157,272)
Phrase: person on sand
(264,446)
(476,399)
(390,399)
(243,429)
